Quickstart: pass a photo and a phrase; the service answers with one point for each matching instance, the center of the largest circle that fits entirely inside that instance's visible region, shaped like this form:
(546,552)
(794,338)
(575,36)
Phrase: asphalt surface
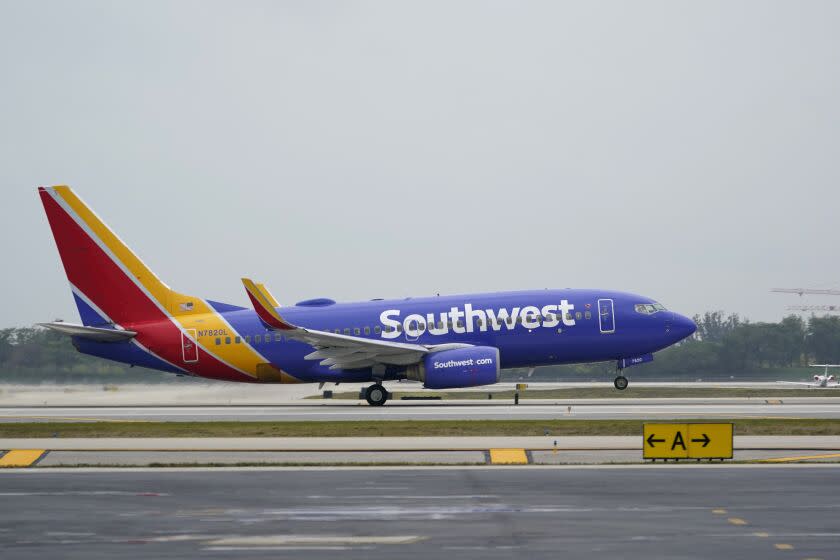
(434,410)
(492,512)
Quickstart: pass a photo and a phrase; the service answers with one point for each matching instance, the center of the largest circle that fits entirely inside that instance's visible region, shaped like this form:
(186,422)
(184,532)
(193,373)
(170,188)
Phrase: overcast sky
(687,152)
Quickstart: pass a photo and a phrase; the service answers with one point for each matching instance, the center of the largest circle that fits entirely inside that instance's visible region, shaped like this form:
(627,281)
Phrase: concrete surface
(491,512)
(434,410)
(191,392)
(390,443)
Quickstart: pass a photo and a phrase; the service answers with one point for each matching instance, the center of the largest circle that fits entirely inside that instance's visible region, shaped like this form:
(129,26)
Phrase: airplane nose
(681,327)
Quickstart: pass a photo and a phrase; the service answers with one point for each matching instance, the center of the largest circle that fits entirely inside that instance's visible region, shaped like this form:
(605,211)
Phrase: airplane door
(189,349)
(606,316)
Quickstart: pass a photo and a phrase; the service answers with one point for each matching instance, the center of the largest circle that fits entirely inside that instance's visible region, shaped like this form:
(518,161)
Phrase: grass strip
(400,428)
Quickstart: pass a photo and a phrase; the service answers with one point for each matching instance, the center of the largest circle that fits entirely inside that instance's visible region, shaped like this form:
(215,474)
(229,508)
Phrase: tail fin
(109,282)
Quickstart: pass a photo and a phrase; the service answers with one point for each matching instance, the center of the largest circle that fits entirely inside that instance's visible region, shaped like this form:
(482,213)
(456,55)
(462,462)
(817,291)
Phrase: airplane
(824,381)
(129,315)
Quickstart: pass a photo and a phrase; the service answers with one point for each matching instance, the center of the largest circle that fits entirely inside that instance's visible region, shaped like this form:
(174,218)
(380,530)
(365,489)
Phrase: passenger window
(568,316)
(238,340)
(578,315)
(367,330)
(480,323)
(347,331)
(588,315)
(356,331)
(218,341)
(399,328)
(278,338)
(460,324)
(376,329)
(247,339)
(227,340)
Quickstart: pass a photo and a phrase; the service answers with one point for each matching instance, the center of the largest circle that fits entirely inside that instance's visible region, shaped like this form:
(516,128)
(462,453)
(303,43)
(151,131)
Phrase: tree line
(724,344)
(727,345)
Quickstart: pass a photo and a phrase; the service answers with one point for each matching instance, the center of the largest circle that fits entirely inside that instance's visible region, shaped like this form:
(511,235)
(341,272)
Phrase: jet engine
(460,367)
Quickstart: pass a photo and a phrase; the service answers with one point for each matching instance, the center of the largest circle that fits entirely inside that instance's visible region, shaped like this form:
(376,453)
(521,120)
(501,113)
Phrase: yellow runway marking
(508,457)
(762,535)
(783,546)
(799,458)
(719,511)
(737,521)
(21,457)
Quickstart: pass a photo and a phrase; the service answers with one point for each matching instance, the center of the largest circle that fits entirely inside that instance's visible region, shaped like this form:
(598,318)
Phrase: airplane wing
(339,351)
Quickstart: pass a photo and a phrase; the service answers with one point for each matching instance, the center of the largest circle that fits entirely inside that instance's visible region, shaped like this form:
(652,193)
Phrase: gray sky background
(689,152)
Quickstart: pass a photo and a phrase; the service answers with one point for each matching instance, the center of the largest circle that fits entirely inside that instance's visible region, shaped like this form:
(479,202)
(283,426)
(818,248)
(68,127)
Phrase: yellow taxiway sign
(687,441)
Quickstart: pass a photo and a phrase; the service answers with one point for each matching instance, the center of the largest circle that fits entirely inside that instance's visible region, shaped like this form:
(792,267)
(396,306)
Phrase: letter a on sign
(678,440)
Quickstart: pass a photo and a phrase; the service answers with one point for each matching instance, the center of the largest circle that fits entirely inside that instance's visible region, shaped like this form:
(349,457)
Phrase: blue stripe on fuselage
(519,346)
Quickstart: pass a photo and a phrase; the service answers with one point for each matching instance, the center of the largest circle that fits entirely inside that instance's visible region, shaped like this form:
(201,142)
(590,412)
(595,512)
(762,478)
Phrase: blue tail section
(90,317)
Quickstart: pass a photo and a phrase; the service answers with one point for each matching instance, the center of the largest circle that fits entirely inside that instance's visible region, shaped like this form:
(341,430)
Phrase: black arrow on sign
(651,441)
(705,440)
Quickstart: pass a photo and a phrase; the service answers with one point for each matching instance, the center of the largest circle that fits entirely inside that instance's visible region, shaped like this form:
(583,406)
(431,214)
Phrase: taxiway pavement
(719,511)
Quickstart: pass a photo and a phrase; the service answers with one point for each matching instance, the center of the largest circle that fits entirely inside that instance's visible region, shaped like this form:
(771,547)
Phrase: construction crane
(829,308)
(803,291)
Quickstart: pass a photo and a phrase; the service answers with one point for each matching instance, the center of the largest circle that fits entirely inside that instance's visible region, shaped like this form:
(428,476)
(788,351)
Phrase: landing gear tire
(621,382)
(376,395)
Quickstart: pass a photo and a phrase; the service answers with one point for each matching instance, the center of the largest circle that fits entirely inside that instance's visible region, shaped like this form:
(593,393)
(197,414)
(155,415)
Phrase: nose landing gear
(621,382)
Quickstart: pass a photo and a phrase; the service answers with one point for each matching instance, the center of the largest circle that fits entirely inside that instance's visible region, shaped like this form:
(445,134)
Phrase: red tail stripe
(267,317)
(103,282)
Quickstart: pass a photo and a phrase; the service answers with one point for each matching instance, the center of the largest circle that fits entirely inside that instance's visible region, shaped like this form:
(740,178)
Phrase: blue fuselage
(529,328)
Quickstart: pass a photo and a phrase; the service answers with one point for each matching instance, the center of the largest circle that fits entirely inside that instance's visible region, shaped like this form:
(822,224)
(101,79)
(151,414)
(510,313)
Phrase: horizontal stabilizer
(91,333)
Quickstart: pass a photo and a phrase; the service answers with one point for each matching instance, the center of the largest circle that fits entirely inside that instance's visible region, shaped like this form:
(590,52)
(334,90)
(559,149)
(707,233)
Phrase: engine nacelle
(461,367)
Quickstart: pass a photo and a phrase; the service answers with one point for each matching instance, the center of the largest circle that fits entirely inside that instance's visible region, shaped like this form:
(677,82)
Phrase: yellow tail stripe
(200,317)
(271,298)
(263,297)
(21,457)
(508,457)
(138,268)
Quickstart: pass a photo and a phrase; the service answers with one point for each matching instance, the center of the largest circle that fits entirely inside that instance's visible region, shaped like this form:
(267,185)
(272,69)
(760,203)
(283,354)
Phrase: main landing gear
(621,382)
(376,395)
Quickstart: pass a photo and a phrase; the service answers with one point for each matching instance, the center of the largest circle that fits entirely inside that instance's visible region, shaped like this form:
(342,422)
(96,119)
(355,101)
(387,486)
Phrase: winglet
(264,304)
(267,294)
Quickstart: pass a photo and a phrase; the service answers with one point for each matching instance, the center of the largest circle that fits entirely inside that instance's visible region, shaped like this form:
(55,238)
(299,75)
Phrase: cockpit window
(648,308)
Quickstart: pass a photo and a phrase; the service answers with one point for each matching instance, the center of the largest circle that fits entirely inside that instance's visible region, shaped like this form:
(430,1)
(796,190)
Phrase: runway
(485,512)
(647,409)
